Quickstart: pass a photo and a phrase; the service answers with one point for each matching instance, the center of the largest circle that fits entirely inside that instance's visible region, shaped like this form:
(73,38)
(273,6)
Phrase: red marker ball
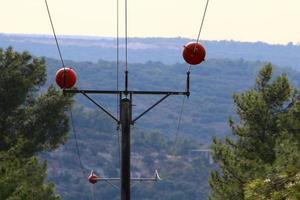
(65,78)
(193,53)
(93,178)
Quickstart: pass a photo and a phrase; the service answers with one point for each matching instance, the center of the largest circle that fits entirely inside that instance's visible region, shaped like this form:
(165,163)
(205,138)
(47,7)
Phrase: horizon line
(70,36)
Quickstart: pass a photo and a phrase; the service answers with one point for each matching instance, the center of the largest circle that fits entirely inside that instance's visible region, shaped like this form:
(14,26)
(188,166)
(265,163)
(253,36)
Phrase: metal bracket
(142,179)
(101,107)
(159,101)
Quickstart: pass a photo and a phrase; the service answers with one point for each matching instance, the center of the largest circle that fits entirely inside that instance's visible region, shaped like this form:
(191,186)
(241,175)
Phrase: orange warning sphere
(193,53)
(65,77)
(93,178)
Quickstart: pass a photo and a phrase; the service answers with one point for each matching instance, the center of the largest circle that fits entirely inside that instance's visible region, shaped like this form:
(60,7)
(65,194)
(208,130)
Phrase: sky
(271,21)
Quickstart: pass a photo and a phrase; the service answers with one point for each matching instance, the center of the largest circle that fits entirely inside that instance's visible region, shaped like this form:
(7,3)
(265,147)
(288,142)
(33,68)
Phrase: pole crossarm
(158,102)
(132,179)
(141,179)
(125,120)
(126,92)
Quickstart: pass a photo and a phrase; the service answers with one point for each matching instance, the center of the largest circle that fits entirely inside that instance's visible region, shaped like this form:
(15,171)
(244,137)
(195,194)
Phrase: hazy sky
(273,21)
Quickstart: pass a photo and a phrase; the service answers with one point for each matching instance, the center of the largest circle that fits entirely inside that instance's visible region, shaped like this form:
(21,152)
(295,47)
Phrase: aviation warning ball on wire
(193,53)
(65,78)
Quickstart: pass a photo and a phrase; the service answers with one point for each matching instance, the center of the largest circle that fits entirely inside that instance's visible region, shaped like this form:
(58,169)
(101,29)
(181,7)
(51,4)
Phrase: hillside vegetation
(185,173)
(205,112)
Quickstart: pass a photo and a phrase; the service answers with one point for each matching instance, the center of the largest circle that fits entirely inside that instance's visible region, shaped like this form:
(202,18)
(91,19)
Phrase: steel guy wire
(126,36)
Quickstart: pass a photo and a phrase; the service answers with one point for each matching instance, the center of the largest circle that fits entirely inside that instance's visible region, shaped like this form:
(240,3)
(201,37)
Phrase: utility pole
(125,117)
(126,120)
(194,54)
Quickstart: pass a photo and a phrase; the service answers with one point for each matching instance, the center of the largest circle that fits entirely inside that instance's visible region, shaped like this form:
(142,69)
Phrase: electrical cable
(202,22)
(118,97)
(93,191)
(113,185)
(173,150)
(63,63)
(126,37)
(76,141)
(126,50)
(71,115)
(54,34)
(189,70)
(118,57)
(179,119)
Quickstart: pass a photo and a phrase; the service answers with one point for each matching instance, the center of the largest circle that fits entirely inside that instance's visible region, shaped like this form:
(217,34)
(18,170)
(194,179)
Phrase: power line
(76,141)
(71,114)
(178,125)
(118,104)
(189,70)
(54,34)
(202,22)
(126,37)
(118,56)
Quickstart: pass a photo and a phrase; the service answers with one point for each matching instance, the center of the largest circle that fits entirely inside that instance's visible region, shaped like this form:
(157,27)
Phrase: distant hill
(205,112)
(141,50)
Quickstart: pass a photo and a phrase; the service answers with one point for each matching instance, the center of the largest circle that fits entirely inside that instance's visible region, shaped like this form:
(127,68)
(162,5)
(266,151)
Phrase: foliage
(24,179)
(262,160)
(30,122)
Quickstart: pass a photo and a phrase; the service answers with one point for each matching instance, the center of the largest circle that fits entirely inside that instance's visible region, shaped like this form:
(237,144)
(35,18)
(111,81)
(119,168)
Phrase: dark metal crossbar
(130,92)
(126,92)
(155,178)
(101,107)
(159,101)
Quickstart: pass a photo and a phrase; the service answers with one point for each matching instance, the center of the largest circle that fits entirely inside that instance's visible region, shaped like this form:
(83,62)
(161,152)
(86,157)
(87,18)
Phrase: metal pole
(125,117)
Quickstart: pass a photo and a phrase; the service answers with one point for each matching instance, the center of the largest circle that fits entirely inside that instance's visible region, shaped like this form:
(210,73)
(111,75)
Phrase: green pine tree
(30,122)
(261,160)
